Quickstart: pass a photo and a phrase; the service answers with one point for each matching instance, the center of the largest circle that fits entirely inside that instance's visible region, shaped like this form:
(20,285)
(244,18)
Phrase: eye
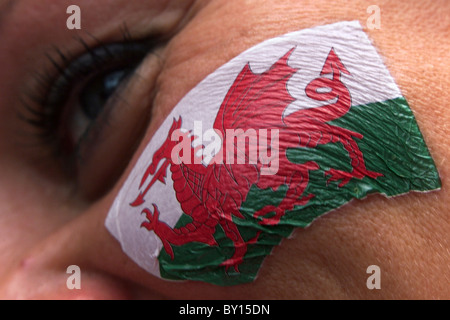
(92,101)
(92,115)
(97,92)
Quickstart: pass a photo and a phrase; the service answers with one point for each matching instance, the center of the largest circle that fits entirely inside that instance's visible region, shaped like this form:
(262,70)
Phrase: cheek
(43,272)
(326,260)
(31,209)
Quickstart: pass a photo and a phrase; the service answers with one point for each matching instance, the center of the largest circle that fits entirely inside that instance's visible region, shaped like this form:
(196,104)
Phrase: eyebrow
(6,7)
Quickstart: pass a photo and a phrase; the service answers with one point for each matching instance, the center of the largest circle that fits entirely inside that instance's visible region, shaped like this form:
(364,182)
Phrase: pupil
(97,92)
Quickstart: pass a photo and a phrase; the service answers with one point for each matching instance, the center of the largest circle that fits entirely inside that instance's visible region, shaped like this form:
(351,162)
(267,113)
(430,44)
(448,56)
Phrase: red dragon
(212,195)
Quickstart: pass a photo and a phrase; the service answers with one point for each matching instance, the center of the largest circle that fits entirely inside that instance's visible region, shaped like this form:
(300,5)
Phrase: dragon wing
(257,101)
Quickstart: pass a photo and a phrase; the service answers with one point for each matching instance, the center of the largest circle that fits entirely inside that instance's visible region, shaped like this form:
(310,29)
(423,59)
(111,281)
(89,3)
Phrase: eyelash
(42,107)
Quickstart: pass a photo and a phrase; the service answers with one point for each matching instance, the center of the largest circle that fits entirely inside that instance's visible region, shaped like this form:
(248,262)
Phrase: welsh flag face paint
(289,130)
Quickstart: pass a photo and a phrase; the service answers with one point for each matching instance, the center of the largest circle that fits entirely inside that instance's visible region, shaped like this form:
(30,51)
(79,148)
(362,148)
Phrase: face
(78,107)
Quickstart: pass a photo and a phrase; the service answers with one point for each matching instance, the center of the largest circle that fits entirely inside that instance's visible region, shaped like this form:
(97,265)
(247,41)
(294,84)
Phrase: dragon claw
(152,218)
(337,175)
(345,177)
(232,263)
(373,174)
(237,259)
(266,210)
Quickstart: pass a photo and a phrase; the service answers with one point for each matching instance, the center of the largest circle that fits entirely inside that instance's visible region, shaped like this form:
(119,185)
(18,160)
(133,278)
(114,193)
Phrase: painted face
(334,115)
(142,141)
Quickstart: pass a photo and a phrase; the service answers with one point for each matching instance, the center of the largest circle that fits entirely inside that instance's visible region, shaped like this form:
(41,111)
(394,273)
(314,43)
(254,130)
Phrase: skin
(46,225)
